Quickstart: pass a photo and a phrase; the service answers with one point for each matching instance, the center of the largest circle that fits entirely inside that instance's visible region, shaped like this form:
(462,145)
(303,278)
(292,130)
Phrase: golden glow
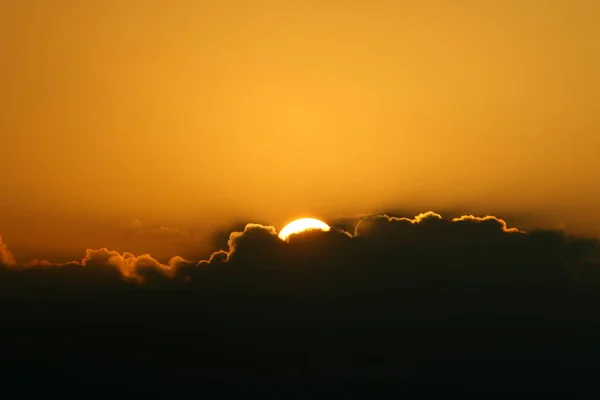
(187,116)
(301,225)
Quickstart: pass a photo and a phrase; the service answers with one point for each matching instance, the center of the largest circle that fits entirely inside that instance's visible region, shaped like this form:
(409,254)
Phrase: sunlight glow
(301,225)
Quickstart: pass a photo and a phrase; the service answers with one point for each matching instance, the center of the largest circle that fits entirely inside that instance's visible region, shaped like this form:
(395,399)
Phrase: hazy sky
(143,125)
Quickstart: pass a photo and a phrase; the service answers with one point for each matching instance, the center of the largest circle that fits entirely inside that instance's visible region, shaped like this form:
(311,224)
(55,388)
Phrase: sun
(301,225)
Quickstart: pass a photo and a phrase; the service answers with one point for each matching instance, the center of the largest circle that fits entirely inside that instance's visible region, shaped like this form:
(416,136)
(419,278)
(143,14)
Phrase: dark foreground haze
(408,305)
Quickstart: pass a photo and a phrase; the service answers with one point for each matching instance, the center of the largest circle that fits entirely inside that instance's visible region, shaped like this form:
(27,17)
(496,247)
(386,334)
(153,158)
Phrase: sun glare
(301,225)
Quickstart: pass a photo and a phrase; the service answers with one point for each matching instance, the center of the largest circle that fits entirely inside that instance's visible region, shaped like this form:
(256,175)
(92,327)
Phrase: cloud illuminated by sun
(301,225)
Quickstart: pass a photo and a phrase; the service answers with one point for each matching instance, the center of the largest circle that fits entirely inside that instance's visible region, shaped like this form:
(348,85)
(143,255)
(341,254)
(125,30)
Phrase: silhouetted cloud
(484,220)
(393,294)
(375,239)
(129,267)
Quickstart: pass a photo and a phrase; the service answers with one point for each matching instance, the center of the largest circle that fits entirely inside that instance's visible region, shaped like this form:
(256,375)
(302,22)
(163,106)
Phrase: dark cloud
(398,299)
(124,267)
(397,247)
(487,220)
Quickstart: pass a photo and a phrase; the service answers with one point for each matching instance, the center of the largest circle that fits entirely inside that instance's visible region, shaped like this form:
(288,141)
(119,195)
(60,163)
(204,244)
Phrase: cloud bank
(413,301)
(379,242)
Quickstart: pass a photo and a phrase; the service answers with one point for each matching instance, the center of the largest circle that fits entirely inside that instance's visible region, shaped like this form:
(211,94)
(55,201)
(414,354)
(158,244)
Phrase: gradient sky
(144,125)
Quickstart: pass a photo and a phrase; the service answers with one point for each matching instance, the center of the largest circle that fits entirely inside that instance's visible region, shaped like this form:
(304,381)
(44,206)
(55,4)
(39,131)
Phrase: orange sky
(144,125)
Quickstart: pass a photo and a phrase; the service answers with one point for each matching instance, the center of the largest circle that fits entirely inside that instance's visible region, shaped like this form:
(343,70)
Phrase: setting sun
(301,225)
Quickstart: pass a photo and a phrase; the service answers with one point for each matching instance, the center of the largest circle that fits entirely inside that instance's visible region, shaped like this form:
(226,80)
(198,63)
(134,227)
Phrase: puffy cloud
(485,220)
(104,262)
(384,254)
(6,257)
(254,241)
(217,257)
(386,225)
(132,267)
(398,290)
(378,242)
